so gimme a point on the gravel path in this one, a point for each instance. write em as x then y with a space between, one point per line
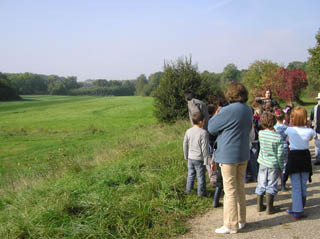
259 225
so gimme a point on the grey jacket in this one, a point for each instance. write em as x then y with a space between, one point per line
196 105
196 145
232 125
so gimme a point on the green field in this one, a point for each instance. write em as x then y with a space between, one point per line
91 167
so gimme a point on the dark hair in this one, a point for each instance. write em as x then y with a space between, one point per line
236 92
211 109
279 114
268 120
269 91
197 117
188 96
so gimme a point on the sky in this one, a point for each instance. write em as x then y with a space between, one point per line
118 40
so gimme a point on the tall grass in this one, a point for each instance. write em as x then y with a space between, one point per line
89 167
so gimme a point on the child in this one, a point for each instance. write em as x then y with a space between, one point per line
281 128
271 162
196 151
299 160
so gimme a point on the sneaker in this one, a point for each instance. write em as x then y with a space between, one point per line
241 225
225 230
298 215
317 162
289 211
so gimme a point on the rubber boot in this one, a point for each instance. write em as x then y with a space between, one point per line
270 208
260 206
304 201
216 197
283 184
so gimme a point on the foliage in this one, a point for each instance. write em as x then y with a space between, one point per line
314 65
141 82
92 167
285 84
255 77
153 83
230 74
7 92
180 77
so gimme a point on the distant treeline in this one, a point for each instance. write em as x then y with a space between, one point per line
13 85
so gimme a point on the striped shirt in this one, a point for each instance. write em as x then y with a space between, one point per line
271 153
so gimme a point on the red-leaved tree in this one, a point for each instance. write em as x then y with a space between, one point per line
285 84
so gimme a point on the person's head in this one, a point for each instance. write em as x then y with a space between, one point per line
267 106
236 92
318 98
188 96
267 120
299 116
279 115
211 110
268 94
197 119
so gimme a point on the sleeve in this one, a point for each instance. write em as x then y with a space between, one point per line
185 146
258 100
280 154
205 148
217 123
312 114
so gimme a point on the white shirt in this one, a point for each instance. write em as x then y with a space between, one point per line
299 137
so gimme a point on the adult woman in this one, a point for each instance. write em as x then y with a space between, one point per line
233 124
267 100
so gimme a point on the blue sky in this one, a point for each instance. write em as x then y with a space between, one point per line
118 40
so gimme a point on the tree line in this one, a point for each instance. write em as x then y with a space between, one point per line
285 81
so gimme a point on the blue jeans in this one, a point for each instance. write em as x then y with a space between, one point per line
299 190
196 167
267 180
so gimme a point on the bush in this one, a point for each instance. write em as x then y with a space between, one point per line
179 77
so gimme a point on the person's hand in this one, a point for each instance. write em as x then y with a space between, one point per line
309 123
213 166
218 110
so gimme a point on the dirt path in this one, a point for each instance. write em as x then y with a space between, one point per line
260 225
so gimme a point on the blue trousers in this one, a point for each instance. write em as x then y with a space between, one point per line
196 167
267 180
299 190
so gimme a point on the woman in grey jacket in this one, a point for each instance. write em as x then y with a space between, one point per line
232 124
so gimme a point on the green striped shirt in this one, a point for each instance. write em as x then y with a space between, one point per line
271 153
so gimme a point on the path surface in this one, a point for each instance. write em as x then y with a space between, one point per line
259 225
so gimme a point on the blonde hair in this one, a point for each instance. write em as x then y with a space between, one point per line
299 116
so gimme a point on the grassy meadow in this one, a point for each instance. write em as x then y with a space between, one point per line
91 167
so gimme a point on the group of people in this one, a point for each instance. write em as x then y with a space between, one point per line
234 140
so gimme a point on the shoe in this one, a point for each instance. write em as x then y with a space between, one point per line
225 230
298 215
216 197
241 225
270 208
289 211
260 206
317 162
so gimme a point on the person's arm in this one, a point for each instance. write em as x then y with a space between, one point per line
280 154
205 148
217 122
260 99
312 114
185 147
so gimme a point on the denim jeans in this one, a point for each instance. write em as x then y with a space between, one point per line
299 190
267 180
196 167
